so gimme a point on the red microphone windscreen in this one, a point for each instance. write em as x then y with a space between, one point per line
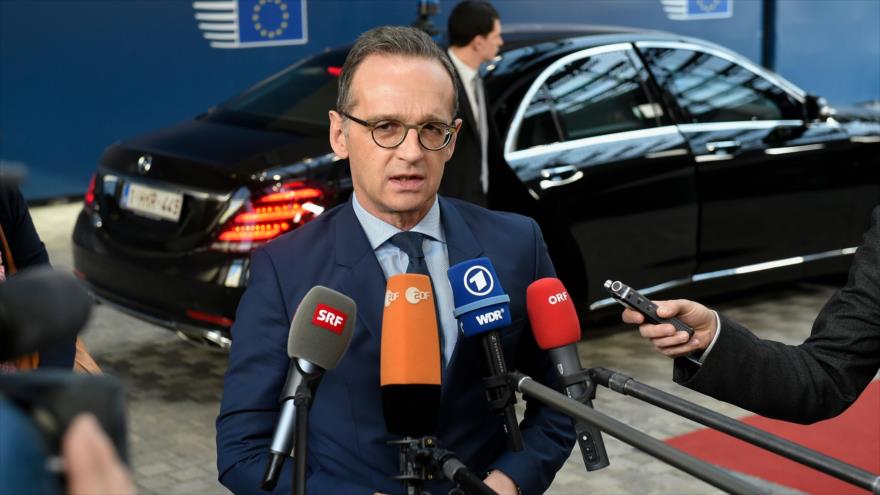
551 313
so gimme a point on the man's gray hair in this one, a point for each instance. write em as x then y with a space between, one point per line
391 40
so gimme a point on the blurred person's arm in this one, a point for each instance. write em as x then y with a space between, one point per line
91 463
29 251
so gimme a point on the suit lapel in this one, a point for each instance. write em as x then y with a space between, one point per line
464 109
462 245
366 281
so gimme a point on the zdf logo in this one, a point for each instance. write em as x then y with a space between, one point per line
558 298
414 295
390 297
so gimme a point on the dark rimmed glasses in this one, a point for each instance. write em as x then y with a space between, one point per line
389 134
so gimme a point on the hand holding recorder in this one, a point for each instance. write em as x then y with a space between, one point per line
670 341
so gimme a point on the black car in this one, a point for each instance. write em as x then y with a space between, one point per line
656 159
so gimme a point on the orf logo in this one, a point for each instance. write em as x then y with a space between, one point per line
478 280
145 163
329 318
414 295
558 298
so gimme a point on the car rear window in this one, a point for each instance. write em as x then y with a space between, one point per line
296 99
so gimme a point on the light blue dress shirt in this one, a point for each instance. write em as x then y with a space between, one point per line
395 261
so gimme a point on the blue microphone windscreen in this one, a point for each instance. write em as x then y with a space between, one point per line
480 302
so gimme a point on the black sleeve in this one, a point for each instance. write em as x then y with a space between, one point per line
815 380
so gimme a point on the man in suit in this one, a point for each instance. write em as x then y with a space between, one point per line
395 80
815 380
474 31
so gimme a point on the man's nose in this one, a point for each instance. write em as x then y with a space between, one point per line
410 149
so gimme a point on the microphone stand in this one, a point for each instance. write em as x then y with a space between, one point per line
713 475
422 459
499 392
303 401
626 385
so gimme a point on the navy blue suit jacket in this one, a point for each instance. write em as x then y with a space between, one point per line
347 447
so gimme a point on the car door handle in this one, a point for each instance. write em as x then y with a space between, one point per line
560 176
723 146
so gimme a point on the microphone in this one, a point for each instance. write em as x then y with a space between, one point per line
410 357
39 307
410 381
319 335
555 324
482 307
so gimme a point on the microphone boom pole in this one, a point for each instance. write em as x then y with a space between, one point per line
626 385
713 475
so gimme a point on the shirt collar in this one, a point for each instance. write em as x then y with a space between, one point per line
466 73
378 231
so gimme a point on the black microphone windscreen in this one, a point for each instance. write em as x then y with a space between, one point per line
322 327
40 307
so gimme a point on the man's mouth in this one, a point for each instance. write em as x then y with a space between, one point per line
407 180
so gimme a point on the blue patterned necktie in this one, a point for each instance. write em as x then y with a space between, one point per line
411 244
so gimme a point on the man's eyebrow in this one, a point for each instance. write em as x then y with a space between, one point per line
398 118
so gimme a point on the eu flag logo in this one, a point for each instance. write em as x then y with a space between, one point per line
252 23
691 10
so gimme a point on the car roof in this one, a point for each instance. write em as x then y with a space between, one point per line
525 34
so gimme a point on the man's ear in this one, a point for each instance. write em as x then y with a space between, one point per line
338 140
450 148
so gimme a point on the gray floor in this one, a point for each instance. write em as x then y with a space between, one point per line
174 387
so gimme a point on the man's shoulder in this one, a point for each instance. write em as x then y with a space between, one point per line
478 217
311 239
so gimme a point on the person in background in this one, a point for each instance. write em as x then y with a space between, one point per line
20 249
474 31
804 383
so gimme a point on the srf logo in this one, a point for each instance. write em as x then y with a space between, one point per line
414 295
329 318
390 297
478 280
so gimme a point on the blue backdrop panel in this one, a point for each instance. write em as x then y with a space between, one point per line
831 47
77 75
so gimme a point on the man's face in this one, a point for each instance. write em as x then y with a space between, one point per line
397 185
488 45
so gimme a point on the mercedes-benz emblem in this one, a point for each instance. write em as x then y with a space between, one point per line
144 163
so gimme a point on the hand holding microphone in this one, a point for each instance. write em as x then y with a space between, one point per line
319 335
555 324
482 307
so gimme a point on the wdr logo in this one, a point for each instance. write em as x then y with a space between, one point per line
490 317
252 23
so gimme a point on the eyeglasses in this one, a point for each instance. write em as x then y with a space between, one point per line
389 134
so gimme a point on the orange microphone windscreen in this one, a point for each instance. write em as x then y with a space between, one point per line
410 341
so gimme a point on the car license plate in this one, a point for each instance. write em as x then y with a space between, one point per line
152 202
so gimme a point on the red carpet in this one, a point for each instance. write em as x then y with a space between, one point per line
852 437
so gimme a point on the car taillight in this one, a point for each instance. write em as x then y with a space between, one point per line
89 200
268 215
